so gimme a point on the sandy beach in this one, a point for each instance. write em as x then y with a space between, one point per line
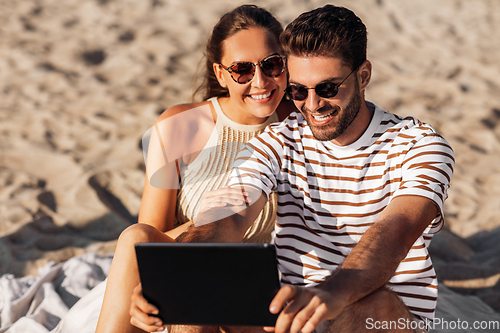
82 80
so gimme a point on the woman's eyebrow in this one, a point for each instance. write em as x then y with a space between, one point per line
240 61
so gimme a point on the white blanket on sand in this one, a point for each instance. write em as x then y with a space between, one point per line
63 298
67 298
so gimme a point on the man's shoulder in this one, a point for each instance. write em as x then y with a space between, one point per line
414 129
408 127
408 132
279 135
293 120
288 129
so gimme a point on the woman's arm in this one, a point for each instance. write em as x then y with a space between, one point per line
158 206
177 136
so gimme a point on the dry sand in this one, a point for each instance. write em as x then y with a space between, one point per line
82 80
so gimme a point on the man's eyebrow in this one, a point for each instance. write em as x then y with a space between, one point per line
330 79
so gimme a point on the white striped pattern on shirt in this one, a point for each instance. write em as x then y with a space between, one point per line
328 195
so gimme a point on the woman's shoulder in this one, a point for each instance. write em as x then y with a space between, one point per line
180 108
185 129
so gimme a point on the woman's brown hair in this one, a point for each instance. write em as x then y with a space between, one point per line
242 17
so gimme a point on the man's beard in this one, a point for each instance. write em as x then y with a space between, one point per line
334 129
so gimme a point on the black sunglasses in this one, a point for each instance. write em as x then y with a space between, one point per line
243 72
326 89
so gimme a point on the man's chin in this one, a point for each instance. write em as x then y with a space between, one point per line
322 134
323 137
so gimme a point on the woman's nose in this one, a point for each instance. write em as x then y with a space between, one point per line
259 78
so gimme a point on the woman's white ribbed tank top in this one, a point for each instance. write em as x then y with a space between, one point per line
211 169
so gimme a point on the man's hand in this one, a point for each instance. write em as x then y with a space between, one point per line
303 309
223 197
141 313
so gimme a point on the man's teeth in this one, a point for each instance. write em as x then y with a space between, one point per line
323 117
262 96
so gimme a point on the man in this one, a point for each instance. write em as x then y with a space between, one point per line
360 191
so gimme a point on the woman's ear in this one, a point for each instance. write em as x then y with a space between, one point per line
218 74
365 74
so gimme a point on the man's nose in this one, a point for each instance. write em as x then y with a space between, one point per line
313 101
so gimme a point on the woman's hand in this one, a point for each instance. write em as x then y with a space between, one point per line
223 197
142 313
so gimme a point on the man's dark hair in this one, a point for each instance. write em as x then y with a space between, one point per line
329 31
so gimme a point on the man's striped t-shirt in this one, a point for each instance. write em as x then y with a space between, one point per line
329 195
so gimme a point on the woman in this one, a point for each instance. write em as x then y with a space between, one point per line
245 80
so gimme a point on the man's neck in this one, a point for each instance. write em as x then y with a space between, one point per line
357 127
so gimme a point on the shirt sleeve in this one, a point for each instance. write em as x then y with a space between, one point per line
426 171
257 165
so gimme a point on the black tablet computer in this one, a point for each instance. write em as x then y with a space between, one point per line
228 284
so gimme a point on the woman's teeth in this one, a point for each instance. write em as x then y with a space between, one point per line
261 96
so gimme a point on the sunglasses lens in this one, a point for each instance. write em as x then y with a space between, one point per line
297 93
326 89
242 72
272 66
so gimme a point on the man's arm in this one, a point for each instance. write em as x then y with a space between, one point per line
382 248
225 224
369 266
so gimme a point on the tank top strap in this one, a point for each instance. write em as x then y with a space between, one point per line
215 103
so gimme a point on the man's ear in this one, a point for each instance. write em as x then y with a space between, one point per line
219 76
365 74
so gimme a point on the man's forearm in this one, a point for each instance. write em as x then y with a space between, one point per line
379 252
224 230
224 224
369 266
